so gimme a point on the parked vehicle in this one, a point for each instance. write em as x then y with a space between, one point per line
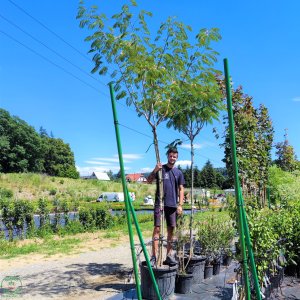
132 195
111 197
148 200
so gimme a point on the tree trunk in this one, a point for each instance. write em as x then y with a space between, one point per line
192 198
160 194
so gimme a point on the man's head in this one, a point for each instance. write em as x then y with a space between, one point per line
172 154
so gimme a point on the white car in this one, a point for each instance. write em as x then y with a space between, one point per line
148 200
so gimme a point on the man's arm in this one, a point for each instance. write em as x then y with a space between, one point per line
181 195
152 175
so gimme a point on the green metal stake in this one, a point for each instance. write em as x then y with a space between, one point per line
250 253
127 205
144 250
236 182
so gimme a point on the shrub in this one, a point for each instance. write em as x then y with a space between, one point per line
6 193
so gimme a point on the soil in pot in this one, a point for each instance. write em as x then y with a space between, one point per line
184 283
195 266
165 277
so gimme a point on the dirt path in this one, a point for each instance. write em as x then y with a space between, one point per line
99 271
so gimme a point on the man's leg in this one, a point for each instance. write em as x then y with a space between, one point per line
155 239
170 214
170 236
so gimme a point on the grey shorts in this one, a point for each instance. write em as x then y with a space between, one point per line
170 215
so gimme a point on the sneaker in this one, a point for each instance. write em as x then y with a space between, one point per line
170 261
153 261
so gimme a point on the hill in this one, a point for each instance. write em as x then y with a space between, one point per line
31 186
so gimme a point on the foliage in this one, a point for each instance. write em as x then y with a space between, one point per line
20 145
207 177
215 235
286 157
151 71
24 150
284 186
58 158
254 137
6 193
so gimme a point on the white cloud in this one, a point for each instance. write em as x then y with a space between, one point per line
106 159
133 156
188 146
296 99
84 171
183 163
93 162
104 164
146 170
199 146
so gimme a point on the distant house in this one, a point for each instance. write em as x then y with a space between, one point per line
136 177
97 175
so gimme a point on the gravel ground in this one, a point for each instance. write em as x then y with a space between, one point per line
90 275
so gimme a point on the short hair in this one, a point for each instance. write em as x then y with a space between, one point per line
172 150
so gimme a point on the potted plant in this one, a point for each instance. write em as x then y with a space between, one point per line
212 237
184 278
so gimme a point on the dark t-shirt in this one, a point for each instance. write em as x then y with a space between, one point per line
172 179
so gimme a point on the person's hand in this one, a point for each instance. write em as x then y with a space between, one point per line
179 209
157 167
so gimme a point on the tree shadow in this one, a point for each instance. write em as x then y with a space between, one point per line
78 279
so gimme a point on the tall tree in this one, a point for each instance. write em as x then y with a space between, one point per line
20 145
254 136
149 70
286 158
59 158
208 175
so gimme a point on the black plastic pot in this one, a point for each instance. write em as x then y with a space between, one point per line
195 266
227 259
216 268
208 271
276 279
165 277
184 283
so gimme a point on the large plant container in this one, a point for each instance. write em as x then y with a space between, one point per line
195 266
184 283
208 271
165 277
216 265
227 259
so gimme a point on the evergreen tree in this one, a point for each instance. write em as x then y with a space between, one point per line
208 175
286 158
254 136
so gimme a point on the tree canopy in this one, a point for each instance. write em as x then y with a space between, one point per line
25 150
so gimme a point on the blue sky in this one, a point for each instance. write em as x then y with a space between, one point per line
45 75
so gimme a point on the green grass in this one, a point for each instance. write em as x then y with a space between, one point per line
47 247
112 235
29 186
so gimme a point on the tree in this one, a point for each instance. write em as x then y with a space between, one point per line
286 158
20 145
208 175
110 174
149 72
254 137
59 158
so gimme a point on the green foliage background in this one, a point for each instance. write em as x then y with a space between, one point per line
24 150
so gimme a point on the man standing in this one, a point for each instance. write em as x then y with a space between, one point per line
173 193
